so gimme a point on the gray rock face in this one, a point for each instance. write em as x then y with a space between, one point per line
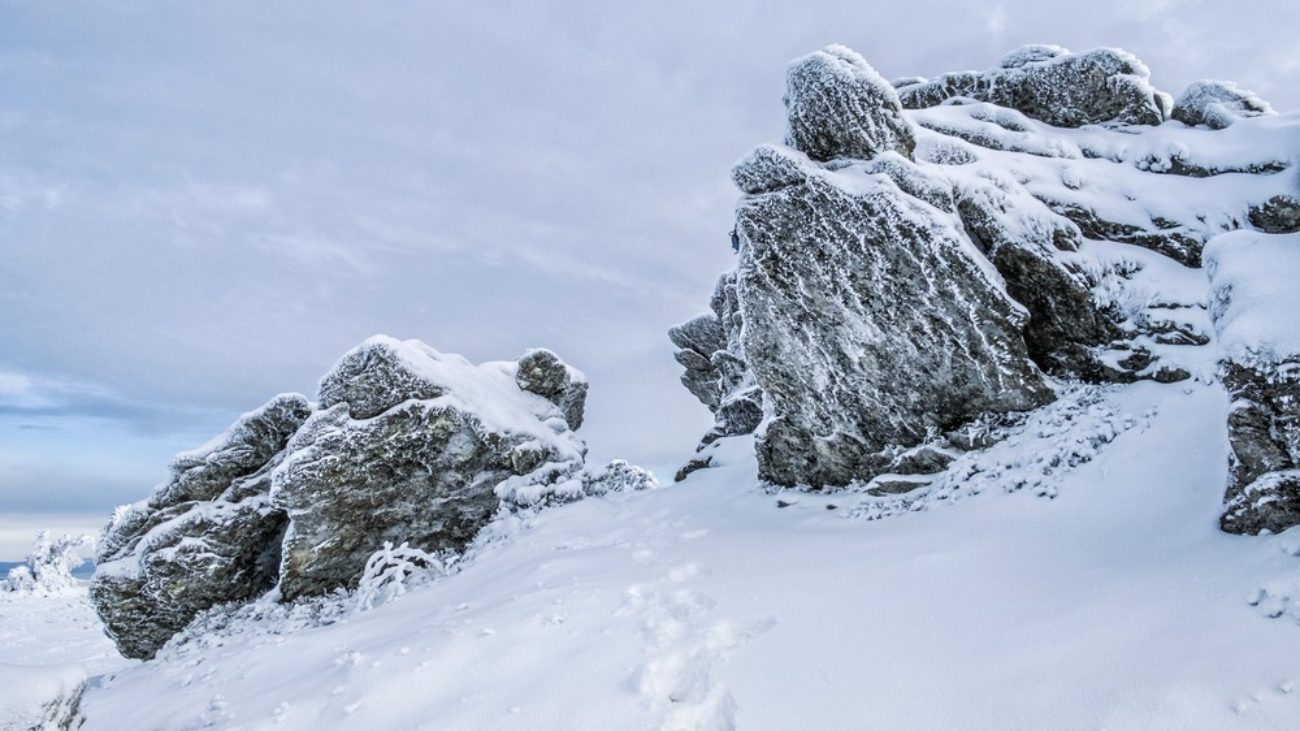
1264 431
207 536
1277 215
422 471
1217 104
409 445
1066 327
1252 294
838 106
543 373
716 371
858 304
1055 86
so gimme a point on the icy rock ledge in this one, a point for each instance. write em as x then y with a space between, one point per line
406 446
1050 84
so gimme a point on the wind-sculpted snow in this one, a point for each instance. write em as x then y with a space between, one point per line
1055 86
408 446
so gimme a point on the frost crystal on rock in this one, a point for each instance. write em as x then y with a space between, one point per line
903 272
1217 104
1252 279
1055 86
838 106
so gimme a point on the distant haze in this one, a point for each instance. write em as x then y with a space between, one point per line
203 205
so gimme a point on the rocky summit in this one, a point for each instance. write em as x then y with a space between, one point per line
405 445
922 258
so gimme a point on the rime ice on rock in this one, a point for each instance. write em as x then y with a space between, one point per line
1217 104
838 106
897 281
208 535
407 445
870 323
1055 86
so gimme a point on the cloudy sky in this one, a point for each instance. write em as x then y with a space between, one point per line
206 204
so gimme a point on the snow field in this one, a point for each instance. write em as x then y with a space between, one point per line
1117 604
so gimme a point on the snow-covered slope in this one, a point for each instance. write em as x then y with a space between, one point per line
1115 604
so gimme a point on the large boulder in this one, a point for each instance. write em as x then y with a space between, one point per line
895 283
1050 84
406 444
1252 304
838 106
871 324
421 471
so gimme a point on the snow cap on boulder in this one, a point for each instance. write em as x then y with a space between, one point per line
838 106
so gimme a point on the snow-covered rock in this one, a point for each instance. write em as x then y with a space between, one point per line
1055 86
838 106
208 535
1217 104
1254 303
422 470
858 302
882 300
406 445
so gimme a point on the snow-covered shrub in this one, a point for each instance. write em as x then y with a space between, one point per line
49 566
389 572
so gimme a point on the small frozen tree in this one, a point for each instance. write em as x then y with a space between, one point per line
49 566
390 571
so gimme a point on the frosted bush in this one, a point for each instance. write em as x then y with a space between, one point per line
389 572
49 566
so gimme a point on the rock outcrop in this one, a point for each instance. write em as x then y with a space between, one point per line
406 445
208 535
858 303
902 273
1050 84
849 322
